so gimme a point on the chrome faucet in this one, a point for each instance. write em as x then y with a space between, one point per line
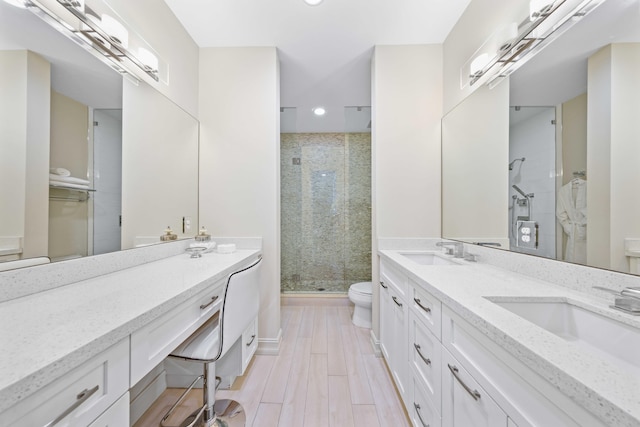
456 248
627 300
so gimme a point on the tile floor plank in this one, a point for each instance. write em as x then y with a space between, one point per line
319 342
335 350
294 403
340 408
306 324
390 410
357 374
316 413
268 415
365 416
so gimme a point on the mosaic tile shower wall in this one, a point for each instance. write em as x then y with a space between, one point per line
325 211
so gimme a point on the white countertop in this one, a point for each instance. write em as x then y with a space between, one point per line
47 334
591 381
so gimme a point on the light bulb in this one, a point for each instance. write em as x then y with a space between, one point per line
319 111
116 31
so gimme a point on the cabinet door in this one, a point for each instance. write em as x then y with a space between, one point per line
385 318
464 402
400 337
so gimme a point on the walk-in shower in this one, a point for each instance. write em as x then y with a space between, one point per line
325 205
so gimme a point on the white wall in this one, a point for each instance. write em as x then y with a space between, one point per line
475 157
239 160
159 165
24 120
154 21
407 108
612 132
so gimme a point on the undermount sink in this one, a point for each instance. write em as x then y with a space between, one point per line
614 341
428 258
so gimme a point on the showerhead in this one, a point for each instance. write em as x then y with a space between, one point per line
516 160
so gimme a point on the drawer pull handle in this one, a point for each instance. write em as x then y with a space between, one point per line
474 393
399 304
383 285
213 299
415 405
253 337
427 309
426 360
82 397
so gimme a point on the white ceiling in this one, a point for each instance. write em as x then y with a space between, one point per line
325 50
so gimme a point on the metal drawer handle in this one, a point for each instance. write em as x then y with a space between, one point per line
253 337
383 285
474 393
427 309
415 405
81 398
213 299
426 360
399 304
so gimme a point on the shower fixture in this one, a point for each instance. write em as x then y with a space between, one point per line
522 159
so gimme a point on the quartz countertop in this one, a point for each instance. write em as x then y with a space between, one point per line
47 334
600 386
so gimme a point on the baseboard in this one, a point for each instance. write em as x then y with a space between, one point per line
337 300
375 344
146 397
270 346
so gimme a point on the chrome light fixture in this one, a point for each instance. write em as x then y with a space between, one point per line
512 45
105 37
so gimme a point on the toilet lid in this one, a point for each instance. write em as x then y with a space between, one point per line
362 287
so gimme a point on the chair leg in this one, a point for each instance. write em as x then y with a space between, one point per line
209 393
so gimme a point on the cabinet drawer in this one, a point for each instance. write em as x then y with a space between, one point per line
249 343
393 278
83 394
503 376
152 343
426 307
423 413
425 354
116 415
464 402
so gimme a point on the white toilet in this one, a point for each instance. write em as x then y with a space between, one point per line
360 295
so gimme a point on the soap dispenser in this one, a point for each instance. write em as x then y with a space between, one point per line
168 235
203 236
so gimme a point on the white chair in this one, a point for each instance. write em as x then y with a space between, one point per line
212 341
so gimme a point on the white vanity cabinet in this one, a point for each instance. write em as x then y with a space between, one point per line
151 344
79 397
394 318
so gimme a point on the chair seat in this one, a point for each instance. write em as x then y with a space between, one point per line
203 344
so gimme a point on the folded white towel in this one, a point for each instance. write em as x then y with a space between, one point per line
68 179
60 171
68 185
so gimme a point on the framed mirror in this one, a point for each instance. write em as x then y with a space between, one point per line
558 170
71 151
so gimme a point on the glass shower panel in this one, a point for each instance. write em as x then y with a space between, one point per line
325 206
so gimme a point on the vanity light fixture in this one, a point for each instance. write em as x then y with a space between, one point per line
106 37
511 46
319 111
313 2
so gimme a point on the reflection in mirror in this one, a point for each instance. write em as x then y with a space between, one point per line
573 120
61 111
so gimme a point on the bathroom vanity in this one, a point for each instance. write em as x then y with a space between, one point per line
469 343
74 352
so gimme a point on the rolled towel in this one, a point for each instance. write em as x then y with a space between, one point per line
68 179
60 171
68 185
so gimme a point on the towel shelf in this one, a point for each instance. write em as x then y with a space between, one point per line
67 193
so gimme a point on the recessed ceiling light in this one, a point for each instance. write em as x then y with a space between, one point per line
319 111
313 2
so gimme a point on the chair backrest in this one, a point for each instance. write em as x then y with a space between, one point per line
240 306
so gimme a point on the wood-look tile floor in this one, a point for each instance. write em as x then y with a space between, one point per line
326 375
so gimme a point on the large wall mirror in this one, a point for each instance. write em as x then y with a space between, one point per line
546 163
89 163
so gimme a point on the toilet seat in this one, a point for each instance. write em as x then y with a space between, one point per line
362 288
